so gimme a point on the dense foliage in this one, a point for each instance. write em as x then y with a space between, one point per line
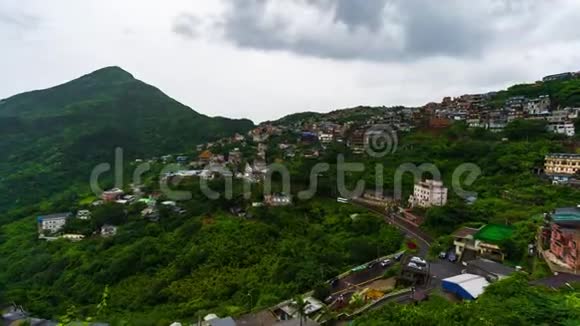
186 265
508 302
52 137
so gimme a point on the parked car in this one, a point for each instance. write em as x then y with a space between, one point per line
398 256
443 255
452 257
386 262
415 266
419 260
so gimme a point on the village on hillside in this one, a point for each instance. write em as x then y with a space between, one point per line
476 257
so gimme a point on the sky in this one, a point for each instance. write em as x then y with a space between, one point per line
263 59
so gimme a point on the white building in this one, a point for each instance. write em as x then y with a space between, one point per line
53 222
278 200
84 214
428 193
563 128
325 138
108 230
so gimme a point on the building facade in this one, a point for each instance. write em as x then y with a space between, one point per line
561 163
561 237
52 223
428 193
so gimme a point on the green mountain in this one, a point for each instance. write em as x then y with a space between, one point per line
58 134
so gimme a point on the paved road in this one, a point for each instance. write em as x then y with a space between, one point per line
438 269
359 277
422 239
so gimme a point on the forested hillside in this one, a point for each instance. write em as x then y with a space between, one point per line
50 139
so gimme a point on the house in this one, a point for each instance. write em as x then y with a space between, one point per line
235 156
538 105
562 76
484 242
205 157
214 320
84 214
428 193
561 237
465 286
52 223
73 237
108 230
563 128
325 138
279 199
356 142
287 311
561 163
112 195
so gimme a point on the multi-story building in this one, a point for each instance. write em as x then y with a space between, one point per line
429 193
280 199
356 142
562 128
112 195
325 138
561 163
53 222
538 105
561 238
471 243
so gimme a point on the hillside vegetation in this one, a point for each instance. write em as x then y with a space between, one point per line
50 139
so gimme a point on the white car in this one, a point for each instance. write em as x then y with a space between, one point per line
419 260
415 266
386 262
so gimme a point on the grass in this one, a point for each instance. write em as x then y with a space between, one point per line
494 233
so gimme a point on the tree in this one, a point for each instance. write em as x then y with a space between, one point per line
299 304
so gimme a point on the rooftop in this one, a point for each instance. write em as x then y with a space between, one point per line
55 216
563 155
464 232
494 233
471 283
566 214
491 267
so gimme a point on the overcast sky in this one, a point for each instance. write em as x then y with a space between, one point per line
262 59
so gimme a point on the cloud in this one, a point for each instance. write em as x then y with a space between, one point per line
375 30
19 20
187 25
380 30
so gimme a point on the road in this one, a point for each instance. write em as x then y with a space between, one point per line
438 269
359 277
422 239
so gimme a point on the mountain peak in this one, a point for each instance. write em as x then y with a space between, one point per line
112 73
